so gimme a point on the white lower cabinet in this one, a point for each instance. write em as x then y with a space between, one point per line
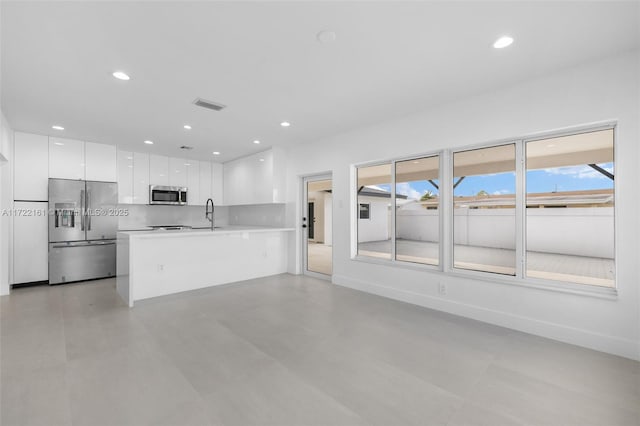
30 242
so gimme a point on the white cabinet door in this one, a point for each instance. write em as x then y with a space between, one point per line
193 183
66 159
205 182
261 167
177 171
30 242
100 162
31 167
217 184
125 177
158 170
140 178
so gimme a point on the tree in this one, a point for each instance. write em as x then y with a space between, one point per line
427 196
482 193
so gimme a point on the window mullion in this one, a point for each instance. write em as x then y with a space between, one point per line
393 211
520 209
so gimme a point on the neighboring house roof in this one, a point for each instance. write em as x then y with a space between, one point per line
588 198
368 191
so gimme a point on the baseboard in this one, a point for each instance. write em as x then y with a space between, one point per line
575 336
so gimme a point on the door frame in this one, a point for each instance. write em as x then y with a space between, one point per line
304 212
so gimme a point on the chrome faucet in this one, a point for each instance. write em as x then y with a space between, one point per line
209 214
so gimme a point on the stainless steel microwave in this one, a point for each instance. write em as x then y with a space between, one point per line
168 195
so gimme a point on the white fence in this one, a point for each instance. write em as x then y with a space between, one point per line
575 231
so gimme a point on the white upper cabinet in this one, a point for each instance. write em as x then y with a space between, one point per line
205 182
125 177
66 159
31 167
177 171
254 180
193 183
100 162
158 170
140 178
217 181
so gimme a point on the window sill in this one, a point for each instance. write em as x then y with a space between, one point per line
532 283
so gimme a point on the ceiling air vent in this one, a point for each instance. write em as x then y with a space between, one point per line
186 147
208 104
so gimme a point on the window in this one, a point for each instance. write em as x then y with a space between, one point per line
374 231
484 219
570 202
365 211
417 214
531 209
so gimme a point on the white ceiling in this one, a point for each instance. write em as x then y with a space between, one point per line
262 59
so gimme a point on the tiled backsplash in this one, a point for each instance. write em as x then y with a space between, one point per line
141 216
258 215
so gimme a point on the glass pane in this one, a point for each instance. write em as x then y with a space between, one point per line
417 214
484 223
374 211
319 226
570 202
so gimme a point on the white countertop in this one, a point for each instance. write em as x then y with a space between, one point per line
201 232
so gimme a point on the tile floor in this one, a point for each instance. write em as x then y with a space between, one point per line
289 350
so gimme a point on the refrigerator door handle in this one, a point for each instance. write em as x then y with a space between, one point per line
88 210
82 210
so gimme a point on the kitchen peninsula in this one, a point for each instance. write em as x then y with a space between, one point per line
158 263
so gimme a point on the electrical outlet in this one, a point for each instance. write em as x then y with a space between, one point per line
160 268
442 289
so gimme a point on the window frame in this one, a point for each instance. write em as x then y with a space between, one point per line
445 208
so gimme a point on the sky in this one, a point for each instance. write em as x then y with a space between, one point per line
574 178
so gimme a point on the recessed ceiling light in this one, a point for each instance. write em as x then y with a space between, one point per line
285 124
187 164
503 42
187 127
326 36
57 127
257 142
216 153
262 159
58 143
149 142
121 75
551 145
129 158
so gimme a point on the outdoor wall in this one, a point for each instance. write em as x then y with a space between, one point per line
575 231
606 89
376 228
6 202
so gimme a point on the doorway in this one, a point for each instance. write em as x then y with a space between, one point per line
317 226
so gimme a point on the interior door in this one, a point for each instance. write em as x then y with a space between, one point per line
317 226
102 203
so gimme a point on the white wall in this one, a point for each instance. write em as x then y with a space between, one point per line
6 202
376 228
603 90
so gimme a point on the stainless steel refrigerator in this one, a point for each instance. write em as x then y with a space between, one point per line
82 230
